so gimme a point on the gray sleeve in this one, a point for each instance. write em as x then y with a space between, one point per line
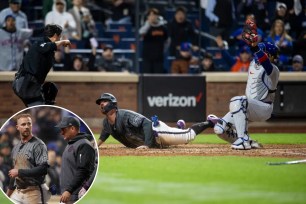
40 154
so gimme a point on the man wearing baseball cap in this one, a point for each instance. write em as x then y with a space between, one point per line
297 64
14 10
78 159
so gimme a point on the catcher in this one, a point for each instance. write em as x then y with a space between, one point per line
134 130
257 103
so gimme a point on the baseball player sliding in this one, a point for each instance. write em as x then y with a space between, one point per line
30 160
257 103
136 131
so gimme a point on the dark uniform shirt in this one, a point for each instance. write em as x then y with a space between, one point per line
131 129
78 163
39 59
27 157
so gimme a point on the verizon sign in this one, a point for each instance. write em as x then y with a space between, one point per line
173 101
174 97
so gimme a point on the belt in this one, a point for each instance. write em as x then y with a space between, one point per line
25 187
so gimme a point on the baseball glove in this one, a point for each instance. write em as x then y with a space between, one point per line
249 33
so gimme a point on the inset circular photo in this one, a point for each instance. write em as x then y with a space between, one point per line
47 155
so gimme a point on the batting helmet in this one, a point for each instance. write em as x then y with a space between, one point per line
269 48
107 97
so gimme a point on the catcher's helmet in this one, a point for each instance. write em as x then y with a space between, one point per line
107 97
269 48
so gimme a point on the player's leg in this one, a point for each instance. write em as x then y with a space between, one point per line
258 111
238 108
224 127
174 136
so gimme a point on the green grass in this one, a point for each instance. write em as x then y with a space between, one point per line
199 179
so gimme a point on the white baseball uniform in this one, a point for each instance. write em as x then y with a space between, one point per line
257 104
172 136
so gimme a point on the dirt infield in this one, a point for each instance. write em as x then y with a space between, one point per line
271 150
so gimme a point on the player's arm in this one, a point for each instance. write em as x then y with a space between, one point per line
250 36
40 170
263 59
103 137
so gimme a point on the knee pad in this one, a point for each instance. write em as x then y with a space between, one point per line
237 104
220 127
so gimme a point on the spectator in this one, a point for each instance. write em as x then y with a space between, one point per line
236 39
282 14
154 35
299 46
12 40
181 30
121 12
85 23
59 16
221 14
14 10
207 63
297 64
109 63
279 36
258 8
48 4
61 61
238 63
184 59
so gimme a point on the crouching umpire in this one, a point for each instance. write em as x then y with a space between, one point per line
35 66
30 164
78 160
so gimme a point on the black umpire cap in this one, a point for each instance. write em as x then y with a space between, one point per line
68 121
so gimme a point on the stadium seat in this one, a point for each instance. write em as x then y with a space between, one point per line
121 26
36 24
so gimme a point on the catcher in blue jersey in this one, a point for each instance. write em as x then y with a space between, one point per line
134 130
257 103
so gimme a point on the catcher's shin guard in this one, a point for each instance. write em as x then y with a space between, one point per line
238 109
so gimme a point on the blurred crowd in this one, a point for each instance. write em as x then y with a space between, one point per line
175 36
44 120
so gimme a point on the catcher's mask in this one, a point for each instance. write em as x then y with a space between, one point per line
111 99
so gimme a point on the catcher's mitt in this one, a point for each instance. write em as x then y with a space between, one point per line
249 33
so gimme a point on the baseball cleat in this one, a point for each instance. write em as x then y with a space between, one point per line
241 144
255 145
181 124
212 118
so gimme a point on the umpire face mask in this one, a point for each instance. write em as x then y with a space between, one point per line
107 106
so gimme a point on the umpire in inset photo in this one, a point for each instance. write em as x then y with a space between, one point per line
29 81
30 164
78 159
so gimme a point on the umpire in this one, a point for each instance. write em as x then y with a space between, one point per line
30 163
29 80
78 159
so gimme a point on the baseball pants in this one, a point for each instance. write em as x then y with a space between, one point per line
31 194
